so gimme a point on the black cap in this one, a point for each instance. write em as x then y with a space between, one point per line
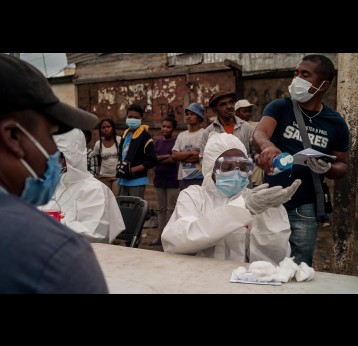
219 95
22 86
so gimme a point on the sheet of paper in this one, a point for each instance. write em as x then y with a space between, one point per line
246 278
301 157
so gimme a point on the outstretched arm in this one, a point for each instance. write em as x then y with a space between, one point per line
263 145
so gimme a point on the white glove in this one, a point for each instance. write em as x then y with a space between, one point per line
262 197
318 165
304 273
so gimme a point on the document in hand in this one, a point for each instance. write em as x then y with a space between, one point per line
301 157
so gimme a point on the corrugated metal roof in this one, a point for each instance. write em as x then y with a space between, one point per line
74 58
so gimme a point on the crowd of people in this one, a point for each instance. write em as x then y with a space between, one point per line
216 194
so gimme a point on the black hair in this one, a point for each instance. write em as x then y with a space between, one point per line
171 118
135 107
113 125
325 68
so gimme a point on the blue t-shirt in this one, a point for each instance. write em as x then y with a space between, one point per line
40 255
328 132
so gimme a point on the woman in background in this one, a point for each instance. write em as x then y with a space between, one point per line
106 149
165 180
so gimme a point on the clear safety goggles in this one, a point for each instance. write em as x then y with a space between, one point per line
230 165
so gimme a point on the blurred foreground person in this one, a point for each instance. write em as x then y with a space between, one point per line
223 218
37 253
88 205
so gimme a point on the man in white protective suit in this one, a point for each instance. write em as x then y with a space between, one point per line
89 206
224 219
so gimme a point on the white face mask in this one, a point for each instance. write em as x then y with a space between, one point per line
299 89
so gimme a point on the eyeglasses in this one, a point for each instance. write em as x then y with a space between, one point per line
230 165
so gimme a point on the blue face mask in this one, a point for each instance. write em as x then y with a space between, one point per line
38 191
132 123
230 185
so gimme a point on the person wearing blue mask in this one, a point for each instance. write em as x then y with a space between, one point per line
223 218
37 253
137 154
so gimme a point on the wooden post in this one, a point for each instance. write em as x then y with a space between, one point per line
343 221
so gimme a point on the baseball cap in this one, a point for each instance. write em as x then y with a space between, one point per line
196 108
242 103
219 95
22 86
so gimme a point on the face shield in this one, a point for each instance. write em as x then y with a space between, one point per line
229 165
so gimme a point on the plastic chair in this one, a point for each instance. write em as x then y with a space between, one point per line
134 211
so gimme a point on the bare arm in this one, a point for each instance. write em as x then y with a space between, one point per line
194 157
267 150
166 159
186 156
339 167
262 144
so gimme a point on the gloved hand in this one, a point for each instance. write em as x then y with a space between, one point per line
123 169
318 165
262 197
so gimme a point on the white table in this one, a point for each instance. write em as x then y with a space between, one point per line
130 270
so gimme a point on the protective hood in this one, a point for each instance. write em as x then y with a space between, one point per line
217 144
73 146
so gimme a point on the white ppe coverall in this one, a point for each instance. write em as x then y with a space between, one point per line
207 223
88 205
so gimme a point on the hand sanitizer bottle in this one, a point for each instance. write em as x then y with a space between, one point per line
282 162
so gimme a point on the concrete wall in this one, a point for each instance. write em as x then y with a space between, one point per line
66 93
157 96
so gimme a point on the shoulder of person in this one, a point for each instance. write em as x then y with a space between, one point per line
180 134
193 190
277 104
281 101
333 112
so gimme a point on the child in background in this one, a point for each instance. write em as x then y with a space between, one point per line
106 149
165 180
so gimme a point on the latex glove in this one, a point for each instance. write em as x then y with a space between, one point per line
262 270
304 272
291 190
286 270
318 165
262 197
123 170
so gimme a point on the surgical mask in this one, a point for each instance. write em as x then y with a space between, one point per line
230 185
299 89
38 191
132 123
